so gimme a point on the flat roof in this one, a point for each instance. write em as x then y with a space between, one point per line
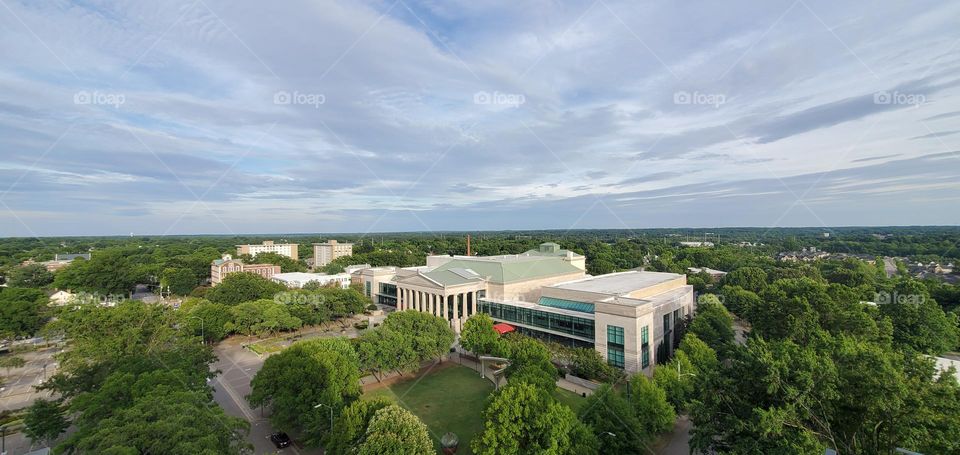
303 276
617 283
544 308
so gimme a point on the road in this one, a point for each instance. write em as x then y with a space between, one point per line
18 391
237 367
890 267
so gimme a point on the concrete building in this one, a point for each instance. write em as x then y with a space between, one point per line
285 249
59 261
300 279
325 253
628 317
220 268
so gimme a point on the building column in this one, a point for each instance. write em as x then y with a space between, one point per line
435 305
399 299
456 304
474 304
444 307
418 299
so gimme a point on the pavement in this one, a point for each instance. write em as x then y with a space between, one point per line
18 385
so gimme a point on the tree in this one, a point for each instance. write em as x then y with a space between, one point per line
395 431
531 360
351 426
303 376
753 279
478 335
712 323
650 406
10 361
428 336
211 320
286 263
740 301
180 281
524 419
242 287
918 321
675 378
109 271
385 349
607 412
29 276
44 421
21 311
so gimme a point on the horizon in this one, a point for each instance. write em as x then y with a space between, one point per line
216 117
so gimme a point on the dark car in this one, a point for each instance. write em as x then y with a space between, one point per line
280 440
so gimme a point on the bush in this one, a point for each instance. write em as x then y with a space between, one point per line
361 325
372 307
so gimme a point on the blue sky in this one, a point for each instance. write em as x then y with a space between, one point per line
209 116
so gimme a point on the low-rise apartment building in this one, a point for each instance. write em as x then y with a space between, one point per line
220 268
300 279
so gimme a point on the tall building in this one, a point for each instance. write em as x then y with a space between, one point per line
220 268
285 249
325 253
628 317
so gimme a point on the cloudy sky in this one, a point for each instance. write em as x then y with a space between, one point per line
219 116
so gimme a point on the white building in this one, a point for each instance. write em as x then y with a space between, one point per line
325 253
628 317
300 279
285 249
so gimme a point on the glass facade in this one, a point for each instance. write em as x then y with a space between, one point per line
387 294
560 323
565 304
366 288
615 346
644 346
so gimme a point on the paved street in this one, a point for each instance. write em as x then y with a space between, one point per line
238 366
18 391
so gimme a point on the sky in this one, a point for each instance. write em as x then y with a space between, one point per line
244 117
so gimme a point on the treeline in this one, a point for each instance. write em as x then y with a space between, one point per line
132 382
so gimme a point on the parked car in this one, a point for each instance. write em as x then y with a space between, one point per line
280 440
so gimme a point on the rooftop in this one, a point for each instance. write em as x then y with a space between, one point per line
500 269
618 283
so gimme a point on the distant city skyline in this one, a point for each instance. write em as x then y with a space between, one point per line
215 117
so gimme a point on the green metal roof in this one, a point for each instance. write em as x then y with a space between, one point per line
502 271
565 304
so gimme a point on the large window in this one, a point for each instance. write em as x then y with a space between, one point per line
615 346
645 346
367 288
570 325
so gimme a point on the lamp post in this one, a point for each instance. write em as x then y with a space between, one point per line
331 413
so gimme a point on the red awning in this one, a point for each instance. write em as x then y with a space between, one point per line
502 328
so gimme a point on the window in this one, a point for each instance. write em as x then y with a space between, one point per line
367 288
645 346
615 346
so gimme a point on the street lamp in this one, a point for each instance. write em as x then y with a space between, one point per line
331 413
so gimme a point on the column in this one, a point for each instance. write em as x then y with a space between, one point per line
473 303
456 304
418 299
443 307
399 299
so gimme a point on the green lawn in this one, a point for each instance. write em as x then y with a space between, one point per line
450 399
569 398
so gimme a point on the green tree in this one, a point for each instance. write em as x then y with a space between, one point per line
614 422
286 263
21 311
427 335
478 335
11 361
650 406
918 321
351 425
237 288
712 323
395 431
44 421
180 281
211 320
303 376
753 279
109 271
524 419
29 276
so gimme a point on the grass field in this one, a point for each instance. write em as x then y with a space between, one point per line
450 399
569 398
